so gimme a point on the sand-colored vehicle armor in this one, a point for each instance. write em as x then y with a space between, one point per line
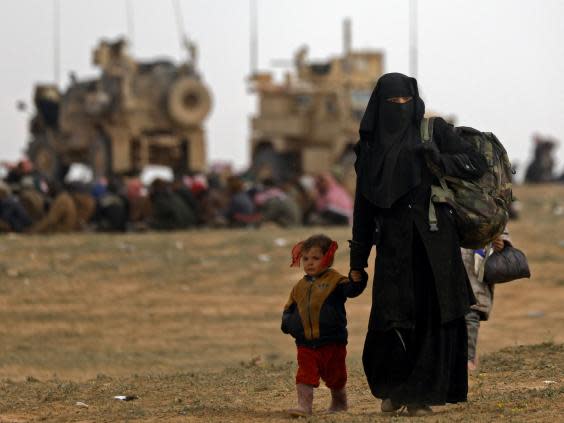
134 114
309 122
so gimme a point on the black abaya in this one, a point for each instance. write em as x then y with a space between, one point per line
423 365
416 347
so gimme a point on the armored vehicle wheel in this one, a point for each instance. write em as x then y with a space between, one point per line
188 102
101 157
44 158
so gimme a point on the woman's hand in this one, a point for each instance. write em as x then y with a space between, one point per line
431 151
356 275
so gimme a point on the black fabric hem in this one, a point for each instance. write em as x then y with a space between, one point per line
419 401
318 344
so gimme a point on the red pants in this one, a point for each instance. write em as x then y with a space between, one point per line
326 362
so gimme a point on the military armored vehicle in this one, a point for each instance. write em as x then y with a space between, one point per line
134 114
541 168
309 121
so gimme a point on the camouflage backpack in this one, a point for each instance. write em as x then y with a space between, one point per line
481 206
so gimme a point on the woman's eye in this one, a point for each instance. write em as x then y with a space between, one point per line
399 100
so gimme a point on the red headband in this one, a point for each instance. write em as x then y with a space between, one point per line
297 254
325 262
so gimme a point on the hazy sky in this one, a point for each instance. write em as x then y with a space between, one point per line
498 65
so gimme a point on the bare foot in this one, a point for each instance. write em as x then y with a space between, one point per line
419 410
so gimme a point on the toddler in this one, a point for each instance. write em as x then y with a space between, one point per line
315 316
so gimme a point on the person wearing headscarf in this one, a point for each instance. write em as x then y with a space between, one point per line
240 211
32 199
13 216
112 207
415 352
333 204
169 212
277 206
62 215
139 204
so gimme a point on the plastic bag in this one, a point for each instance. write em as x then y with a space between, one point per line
506 265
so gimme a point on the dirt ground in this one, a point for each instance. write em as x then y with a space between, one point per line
189 322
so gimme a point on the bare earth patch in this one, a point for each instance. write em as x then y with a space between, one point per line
189 322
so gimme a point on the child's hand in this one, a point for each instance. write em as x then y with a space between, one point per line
356 276
498 244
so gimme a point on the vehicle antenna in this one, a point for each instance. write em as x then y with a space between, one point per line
129 22
56 41
253 31
182 37
413 38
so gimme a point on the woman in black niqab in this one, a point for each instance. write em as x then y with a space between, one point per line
415 352
389 133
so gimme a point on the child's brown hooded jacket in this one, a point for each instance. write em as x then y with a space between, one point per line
315 312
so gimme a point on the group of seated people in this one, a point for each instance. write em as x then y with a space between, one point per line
29 203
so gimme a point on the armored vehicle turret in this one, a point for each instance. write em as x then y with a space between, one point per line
134 114
309 122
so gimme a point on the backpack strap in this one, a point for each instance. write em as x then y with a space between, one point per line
488 250
439 194
426 132
427 129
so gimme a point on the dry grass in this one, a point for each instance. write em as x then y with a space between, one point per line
177 309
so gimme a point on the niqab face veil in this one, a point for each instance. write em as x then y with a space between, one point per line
387 166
